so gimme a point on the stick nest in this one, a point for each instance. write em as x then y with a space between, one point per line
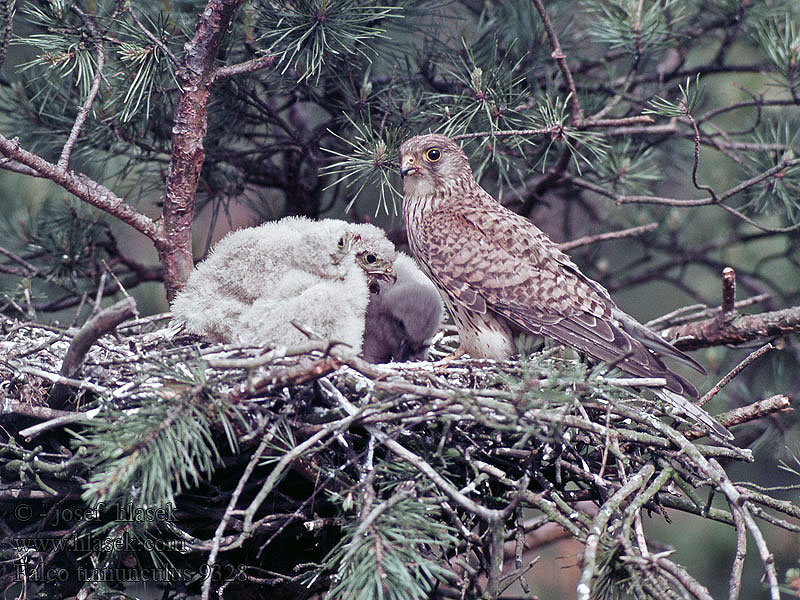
305 472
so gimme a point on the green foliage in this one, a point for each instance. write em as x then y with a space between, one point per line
781 43
64 50
368 159
146 72
65 244
685 104
68 239
629 168
488 93
147 455
310 34
137 80
777 141
638 28
390 549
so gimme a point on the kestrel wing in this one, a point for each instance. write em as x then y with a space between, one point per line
485 263
490 259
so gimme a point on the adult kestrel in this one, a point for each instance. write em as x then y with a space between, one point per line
503 279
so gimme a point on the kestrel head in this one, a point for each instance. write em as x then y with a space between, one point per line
368 255
343 246
376 268
433 163
374 253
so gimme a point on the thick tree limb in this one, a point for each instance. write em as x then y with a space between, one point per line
735 329
189 126
81 186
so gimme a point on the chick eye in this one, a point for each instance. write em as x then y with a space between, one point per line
433 154
370 258
340 243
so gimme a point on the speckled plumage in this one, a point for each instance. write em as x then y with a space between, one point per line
503 278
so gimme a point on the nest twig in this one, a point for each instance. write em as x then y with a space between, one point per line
474 441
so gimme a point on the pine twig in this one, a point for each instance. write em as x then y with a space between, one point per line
83 111
78 384
576 112
161 45
737 567
250 66
752 357
59 419
611 235
15 407
693 312
718 200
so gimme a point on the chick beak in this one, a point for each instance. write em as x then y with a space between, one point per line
385 272
391 274
408 166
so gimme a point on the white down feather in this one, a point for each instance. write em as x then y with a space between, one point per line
257 281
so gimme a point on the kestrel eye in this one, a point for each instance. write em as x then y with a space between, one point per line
340 243
433 154
370 258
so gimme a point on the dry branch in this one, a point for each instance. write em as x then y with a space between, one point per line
610 235
734 329
96 327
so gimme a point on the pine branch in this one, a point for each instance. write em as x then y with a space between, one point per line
576 112
195 76
164 48
611 235
83 110
718 200
734 329
82 187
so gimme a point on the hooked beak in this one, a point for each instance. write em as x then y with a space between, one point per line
408 166
391 274
387 273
